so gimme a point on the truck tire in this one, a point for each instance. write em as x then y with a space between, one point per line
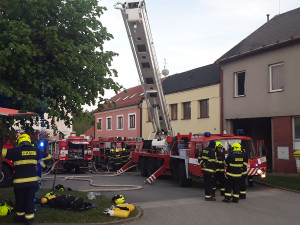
174 144
183 181
151 166
143 166
7 180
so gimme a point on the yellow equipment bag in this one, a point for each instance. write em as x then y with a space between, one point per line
120 213
128 206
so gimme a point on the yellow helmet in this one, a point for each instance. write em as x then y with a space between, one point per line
219 144
5 209
117 150
23 137
236 147
118 199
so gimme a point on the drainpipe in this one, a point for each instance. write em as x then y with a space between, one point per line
221 97
141 118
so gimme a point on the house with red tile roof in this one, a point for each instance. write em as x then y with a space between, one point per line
122 119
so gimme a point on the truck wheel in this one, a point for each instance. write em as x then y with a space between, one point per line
7 180
152 166
143 166
183 181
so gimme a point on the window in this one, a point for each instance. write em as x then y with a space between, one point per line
297 127
297 132
149 116
131 121
108 123
186 110
99 124
276 77
204 108
239 83
119 122
173 111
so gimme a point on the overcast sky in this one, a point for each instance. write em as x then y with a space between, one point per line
188 33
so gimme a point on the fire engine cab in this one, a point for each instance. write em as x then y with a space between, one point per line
71 153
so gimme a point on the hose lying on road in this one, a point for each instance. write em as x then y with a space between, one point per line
91 183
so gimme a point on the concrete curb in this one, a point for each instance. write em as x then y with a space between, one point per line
281 188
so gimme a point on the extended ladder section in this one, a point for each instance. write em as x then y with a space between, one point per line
138 29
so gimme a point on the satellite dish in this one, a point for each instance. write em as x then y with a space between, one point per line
165 72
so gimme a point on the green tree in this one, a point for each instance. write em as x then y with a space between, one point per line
52 58
83 122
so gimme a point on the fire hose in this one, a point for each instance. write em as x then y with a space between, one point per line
91 182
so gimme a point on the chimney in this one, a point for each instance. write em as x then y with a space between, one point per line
268 17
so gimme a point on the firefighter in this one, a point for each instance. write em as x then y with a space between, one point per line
244 176
234 163
118 161
220 164
111 160
125 156
207 160
25 158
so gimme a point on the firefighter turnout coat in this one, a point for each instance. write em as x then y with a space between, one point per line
25 160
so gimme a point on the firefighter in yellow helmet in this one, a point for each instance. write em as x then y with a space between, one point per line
207 161
220 164
25 158
118 158
111 160
234 163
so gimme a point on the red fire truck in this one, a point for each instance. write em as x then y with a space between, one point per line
101 148
176 155
71 153
6 179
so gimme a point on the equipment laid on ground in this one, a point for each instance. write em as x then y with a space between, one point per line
176 155
120 210
6 208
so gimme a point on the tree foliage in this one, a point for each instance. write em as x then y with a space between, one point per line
52 58
83 122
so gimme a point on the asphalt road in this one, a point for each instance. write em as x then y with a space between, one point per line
163 202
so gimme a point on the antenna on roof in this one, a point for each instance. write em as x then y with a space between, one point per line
279 6
165 71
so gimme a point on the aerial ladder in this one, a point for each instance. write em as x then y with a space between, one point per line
139 34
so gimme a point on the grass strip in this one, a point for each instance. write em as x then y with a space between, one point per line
287 182
53 215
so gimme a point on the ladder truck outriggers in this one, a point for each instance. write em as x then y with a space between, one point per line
167 153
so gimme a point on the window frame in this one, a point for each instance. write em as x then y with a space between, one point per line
296 140
207 109
117 122
100 124
189 113
270 78
111 125
176 113
129 122
236 83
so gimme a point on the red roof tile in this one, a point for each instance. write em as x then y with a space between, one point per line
133 96
90 131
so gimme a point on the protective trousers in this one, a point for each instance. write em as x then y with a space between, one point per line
208 184
234 185
221 179
25 202
243 188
